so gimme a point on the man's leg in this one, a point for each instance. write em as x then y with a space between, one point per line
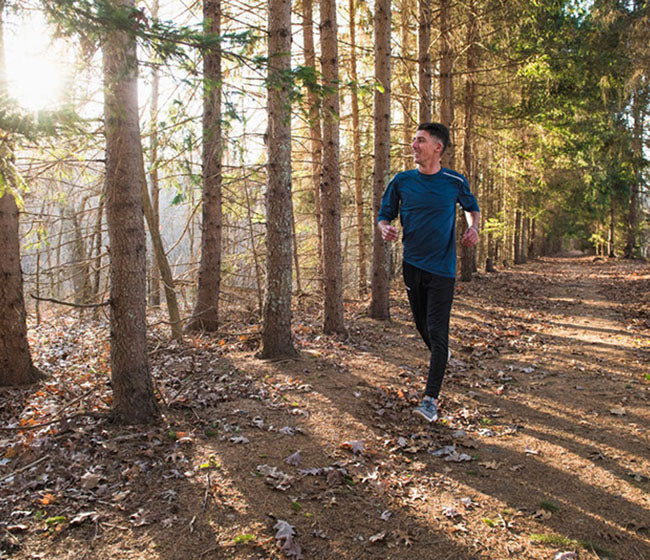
416 289
440 295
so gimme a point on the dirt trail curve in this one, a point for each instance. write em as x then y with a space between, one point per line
542 450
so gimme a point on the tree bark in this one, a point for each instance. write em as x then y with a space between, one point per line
133 396
16 367
632 230
405 82
447 81
356 146
467 254
380 302
163 266
331 178
154 289
276 329
206 309
612 226
315 131
424 61
517 237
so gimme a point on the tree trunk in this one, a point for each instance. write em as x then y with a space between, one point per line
133 396
331 178
531 239
16 367
154 273
163 266
447 81
467 254
523 251
612 226
379 304
206 309
632 229
276 329
356 146
80 258
424 61
97 245
517 236
405 82
316 138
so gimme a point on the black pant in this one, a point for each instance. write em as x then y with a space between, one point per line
431 297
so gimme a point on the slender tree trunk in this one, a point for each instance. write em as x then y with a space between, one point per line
133 396
276 329
80 266
523 251
407 99
632 229
16 367
467 254
154 273
256 260
356 146
163 266
97 245
380 302
424 60
331 178
316 137
447 81
612 226
206 310
517 237
532 253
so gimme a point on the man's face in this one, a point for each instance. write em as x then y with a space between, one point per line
426 148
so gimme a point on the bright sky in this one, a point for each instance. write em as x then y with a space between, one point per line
37 68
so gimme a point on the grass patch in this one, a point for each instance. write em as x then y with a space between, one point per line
489 522
565 542
549 505
246 537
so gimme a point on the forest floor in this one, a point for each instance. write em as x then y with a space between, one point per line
542 450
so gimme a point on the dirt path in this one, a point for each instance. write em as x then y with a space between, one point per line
543 446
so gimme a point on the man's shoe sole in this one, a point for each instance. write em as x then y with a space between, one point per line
421 415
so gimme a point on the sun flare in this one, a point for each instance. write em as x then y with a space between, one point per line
36 66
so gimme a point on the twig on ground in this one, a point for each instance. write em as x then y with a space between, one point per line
26 467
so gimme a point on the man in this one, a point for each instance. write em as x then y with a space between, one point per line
425 199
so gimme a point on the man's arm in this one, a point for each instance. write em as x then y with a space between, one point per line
470 237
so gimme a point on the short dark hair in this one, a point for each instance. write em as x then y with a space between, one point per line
438 130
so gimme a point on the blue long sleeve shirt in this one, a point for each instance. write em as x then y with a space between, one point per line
426 205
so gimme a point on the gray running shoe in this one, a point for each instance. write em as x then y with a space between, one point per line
428 409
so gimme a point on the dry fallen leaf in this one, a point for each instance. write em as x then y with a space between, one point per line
355 445
618 411
90 480
450 511
294 459
377 537
285 537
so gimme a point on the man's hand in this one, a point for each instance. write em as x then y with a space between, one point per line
470 237
388 232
